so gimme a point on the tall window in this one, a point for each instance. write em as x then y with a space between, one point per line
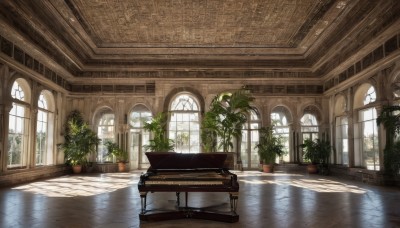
139 137
44 130
184 127
281 129
309 127
250 137
106 132
341 131
18 127
370 154
369 132
342 140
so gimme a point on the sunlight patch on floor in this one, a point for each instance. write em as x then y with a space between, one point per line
72 186
318 185
258 173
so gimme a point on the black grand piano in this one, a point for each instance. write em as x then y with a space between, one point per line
184 173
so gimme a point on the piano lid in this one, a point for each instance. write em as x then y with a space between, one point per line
172 160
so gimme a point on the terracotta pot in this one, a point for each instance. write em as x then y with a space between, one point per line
268 168
312 169
121 166
76 168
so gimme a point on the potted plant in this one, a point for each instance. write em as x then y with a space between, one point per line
209 132
390 119
310 155
324 151
269 147
79 142
159 143
120 155
224 122
316 152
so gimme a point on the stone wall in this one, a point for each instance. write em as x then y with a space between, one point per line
364 175
15 177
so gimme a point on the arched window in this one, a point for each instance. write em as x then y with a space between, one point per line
139 137
44 129
341 132
369 150
309 127
370 96
106 132
184 127
19 125
279 119
248 152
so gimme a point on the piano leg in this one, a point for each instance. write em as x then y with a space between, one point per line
233 199
143 201
178 202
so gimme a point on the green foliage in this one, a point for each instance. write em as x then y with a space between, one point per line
324 149
157 126
269 146
390 118
14 147
114 150
209 132
317 151
392 159
228 112
310 152
80 140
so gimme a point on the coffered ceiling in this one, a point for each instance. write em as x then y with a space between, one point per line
86 36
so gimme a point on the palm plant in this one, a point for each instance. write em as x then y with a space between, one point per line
225 119
310 151
157 126
269 146
80 140
390 118
209 132
114 150
317 151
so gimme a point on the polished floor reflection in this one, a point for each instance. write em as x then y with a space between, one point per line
265 200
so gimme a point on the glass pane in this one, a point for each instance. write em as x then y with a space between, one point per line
184 102
254 125
345 153
370 145
105 131
42 103
244 152
308 120
184 124
41 134
17 136
370 96
17 92
139 117
255 158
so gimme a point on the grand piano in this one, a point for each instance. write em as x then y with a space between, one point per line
185 173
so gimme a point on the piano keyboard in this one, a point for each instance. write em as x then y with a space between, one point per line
183 182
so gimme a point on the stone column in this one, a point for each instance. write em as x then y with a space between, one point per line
4 119
5 108
350 118
31 156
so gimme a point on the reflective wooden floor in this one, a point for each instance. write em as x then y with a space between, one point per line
265 200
